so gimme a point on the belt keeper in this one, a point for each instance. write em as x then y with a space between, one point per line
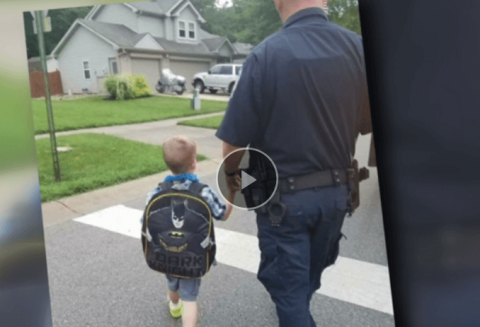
336 177
291 184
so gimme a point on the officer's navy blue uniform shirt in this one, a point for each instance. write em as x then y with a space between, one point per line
300 95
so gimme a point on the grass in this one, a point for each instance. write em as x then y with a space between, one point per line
98 111
208 122
95 161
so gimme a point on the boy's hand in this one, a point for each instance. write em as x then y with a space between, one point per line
234 183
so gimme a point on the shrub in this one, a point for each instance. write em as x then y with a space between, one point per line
140 86
120 87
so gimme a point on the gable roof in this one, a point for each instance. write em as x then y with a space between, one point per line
120 36
159 8
243 48
187 48
214 43
178 9
149 7
168 5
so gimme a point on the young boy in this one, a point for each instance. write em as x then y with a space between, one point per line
180 156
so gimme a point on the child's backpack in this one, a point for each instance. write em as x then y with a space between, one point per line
177 231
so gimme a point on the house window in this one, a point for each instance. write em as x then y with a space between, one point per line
113 66
86 69
186 30
181 29
191 30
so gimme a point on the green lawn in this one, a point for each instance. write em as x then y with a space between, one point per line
95 161
97 111
208 122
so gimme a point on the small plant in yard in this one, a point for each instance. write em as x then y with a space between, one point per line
140 86
121 87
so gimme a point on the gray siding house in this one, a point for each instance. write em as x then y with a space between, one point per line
139 38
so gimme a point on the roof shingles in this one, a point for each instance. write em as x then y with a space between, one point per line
124 37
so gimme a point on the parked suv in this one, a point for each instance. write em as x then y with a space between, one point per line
219 77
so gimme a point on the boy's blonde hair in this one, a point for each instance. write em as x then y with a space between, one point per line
180 153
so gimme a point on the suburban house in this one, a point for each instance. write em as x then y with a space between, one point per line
139 38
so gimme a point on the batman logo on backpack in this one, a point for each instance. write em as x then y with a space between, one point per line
179 219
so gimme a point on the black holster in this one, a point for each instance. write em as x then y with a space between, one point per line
355 176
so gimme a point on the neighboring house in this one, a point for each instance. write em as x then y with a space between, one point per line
140 38
35 65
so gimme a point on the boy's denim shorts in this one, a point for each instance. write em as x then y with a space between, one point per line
186 288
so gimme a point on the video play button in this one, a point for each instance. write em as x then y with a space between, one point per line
247 179
256 178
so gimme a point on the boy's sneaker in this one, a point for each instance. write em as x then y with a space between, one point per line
176 309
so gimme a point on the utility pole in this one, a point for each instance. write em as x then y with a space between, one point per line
39 19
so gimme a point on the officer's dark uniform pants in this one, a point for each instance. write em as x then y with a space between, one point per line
294 255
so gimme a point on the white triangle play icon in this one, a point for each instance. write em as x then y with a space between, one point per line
247 179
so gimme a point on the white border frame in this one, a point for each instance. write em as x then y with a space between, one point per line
248 148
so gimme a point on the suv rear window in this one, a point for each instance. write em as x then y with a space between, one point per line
226 70
237 70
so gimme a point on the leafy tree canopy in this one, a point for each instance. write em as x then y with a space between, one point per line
61 20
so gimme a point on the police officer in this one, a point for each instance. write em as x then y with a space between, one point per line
300 99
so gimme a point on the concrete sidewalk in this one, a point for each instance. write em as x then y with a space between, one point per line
204 96
130 127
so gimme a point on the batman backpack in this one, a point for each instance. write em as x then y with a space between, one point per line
177 231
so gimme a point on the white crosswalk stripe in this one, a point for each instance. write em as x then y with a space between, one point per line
361 283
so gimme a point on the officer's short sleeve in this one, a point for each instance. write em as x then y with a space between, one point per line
241 122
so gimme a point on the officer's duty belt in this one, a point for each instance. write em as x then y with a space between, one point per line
325 178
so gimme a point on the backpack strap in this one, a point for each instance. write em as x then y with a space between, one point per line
196 188
166 186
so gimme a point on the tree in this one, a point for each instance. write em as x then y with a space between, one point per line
61 20
345 13
257 19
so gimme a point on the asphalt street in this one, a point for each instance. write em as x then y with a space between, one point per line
98 276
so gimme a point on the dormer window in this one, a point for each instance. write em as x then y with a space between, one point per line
191 30
186 30
181 29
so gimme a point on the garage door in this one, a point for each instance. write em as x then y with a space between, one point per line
148 67
187 69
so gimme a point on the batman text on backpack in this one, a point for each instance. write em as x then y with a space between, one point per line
177 231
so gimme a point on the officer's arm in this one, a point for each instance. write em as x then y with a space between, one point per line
233 161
